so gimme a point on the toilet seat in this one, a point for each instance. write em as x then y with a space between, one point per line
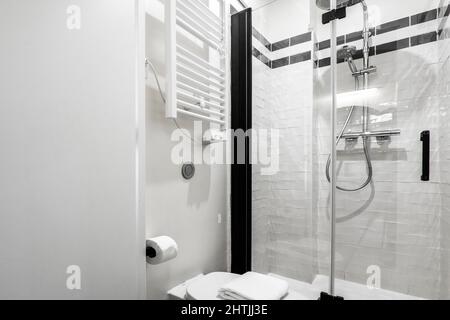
207 287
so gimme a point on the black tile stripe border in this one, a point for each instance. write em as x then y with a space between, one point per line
421 39
392 46
282 44
261 57
395 45
353 36
278 63
290 42
424 17
413 41
394 25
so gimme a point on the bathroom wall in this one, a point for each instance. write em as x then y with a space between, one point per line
71 150
194 212
399 223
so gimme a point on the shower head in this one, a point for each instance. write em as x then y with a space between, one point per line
325 4
347 53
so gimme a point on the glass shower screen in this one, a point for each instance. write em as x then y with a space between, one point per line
389 126
392 234
288 238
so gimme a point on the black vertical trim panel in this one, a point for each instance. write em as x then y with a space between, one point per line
241 118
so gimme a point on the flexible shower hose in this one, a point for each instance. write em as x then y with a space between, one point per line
366 152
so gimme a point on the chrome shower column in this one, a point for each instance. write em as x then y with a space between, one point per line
366 64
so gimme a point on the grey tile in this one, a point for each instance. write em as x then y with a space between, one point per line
301 39
265 60
355 36
256 53
392 46
280 63
305 56
424 17
324 62
261 57
280 45
324 44
264 41
423 38
260 38
393 25
327 43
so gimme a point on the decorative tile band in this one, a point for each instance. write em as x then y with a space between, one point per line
395 45
390 26
441 34
293 41
274 64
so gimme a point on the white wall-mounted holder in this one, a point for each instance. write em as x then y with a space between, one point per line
198 67
214 136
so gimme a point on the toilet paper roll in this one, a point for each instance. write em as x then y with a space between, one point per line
161 249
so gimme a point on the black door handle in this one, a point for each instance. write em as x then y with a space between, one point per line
425 138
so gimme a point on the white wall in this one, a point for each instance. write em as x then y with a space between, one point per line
194 213
69 169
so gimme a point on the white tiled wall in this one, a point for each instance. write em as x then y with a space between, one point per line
283 233
282 204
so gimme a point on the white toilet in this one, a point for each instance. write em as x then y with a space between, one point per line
206 287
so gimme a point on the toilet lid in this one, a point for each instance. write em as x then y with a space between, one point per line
207 288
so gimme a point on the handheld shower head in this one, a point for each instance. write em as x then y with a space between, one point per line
346 53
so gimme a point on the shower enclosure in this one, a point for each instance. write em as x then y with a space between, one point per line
358 92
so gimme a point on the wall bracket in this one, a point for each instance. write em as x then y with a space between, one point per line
334 14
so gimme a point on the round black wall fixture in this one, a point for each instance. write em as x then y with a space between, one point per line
188 171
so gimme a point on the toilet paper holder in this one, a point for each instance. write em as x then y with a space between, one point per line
150 252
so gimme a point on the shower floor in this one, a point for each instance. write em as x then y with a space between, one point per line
348 290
